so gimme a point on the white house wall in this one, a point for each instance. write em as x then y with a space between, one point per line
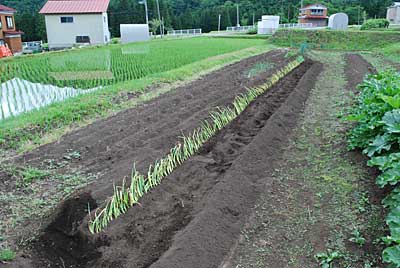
61 35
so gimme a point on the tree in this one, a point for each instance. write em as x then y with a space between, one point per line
154 25
184 14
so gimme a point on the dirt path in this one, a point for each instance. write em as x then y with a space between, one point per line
194 216
319 194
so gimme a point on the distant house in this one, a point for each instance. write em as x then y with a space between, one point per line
317 14
393 13
74 22
9 35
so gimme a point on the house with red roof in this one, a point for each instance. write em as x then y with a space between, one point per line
76 22
9 35
316 14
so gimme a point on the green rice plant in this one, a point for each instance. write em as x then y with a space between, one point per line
100 67
125 197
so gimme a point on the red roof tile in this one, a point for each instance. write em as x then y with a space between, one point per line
8 9
74 6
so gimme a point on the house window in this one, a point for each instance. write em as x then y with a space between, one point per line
83 39
67 19
104 19
10 22
1 43
317 11
106 38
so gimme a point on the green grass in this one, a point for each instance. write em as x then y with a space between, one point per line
37 127
340 40
391 51
26 175
7 255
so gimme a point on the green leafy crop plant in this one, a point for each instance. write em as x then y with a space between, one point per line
126 196
377 113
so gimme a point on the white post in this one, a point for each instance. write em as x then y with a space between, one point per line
147 12
159 17
237 15
219 22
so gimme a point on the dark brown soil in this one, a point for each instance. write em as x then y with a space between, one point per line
144 133
194 216
108 148
357 69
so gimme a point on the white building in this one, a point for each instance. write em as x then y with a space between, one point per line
72 22
268 24
393 13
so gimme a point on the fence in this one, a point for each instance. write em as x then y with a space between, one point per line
296 25
240 28
185 32
32 43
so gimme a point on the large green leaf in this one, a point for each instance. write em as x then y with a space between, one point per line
391 176
385 162
381 143
393 101
392 201
393 217
391 255
392 121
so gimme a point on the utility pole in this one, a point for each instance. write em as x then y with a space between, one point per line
144 2
254 19
159 18
301 4
237 15
219 22
147 12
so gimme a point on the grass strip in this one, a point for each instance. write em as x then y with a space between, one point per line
126 196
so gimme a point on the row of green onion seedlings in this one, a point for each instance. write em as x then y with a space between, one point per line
128 195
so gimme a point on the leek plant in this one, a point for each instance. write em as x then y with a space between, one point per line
126 196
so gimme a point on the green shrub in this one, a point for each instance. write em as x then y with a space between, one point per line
375 24
252 31
115 41
6 255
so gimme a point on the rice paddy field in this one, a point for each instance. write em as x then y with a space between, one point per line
22 79
202 152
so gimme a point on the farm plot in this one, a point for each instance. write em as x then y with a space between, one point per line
189 198
22 79
317 200
108 148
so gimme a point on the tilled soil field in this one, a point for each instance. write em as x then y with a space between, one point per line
193 218
109 148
